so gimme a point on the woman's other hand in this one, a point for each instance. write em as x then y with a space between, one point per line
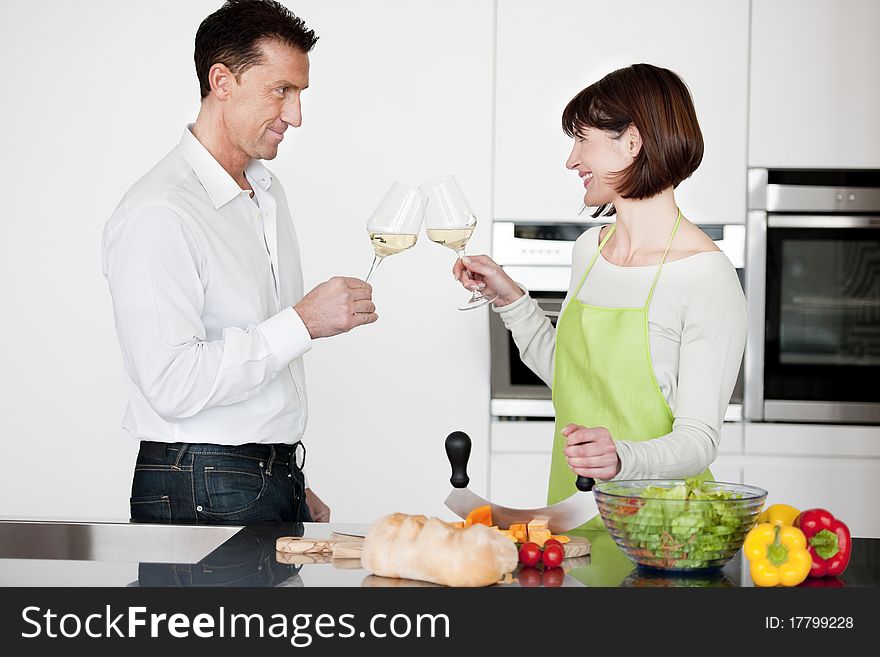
591 452
480 272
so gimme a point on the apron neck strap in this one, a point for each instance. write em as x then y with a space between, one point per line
593 261
605 241
663 259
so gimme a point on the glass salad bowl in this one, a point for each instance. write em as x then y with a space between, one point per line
677 524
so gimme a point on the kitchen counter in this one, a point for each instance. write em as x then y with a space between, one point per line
56 553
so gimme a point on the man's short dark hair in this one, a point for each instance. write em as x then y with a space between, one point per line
231 36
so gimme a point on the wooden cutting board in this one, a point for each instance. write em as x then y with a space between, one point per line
338 546
578 546
298 549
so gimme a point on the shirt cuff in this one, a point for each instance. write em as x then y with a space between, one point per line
287 336
515 305
627 458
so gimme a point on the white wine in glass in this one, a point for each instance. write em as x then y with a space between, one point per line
395 224
453 238
450 222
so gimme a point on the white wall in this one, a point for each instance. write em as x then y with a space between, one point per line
95 92
573 43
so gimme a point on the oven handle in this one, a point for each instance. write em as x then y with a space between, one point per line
822 221
756 275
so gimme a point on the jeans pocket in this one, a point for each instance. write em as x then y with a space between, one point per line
155 508
232 489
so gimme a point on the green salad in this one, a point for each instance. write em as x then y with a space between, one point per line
683 527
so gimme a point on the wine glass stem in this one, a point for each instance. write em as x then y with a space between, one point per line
376 261
475 294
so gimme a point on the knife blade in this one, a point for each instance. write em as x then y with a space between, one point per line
563 516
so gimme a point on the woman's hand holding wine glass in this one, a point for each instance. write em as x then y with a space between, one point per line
484 274
450 222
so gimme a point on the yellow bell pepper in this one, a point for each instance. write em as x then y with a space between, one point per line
777 555
779 514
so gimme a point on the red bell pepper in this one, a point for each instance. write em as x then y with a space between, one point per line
828 542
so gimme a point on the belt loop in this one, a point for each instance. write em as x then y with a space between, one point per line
293 459
271 460
180 454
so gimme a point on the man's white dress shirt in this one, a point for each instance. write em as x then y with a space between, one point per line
203 279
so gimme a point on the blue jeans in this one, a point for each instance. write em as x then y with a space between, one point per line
189 483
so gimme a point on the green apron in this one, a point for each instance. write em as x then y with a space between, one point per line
603 377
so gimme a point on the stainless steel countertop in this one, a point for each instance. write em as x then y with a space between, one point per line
114 542
61 553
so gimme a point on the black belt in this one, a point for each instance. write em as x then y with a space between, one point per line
283 453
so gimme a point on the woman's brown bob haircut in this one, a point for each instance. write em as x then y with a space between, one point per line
660 106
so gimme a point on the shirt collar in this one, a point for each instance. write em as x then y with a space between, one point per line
214 178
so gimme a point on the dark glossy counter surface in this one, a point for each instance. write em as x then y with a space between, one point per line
41 553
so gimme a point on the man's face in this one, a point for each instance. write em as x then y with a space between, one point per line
266 100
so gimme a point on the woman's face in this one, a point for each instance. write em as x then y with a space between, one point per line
596 156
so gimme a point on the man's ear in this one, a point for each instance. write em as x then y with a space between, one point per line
221 80
633 140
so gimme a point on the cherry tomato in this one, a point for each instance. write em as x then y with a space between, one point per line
530 553
553 541
553 577
529 577
553 556
630 507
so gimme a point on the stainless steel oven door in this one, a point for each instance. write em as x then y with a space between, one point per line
814 297
517 392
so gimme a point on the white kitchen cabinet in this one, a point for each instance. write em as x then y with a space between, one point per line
520 463
535 437
728 464
815 84
848 487
835 440
727 469
832 466
564 46
732 438
519 480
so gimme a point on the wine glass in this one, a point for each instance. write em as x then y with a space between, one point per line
450 222
395 223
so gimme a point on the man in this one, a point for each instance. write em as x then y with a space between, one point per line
204 271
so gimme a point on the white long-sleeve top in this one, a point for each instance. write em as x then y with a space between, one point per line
203 279
696 331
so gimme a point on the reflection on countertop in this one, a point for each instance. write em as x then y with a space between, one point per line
40 553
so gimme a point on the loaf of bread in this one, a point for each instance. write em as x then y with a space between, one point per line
428 549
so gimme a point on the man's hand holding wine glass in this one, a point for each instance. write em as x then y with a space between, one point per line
337 306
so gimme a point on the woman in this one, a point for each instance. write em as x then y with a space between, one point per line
647 348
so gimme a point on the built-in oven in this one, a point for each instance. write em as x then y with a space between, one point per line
538 256
813 285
